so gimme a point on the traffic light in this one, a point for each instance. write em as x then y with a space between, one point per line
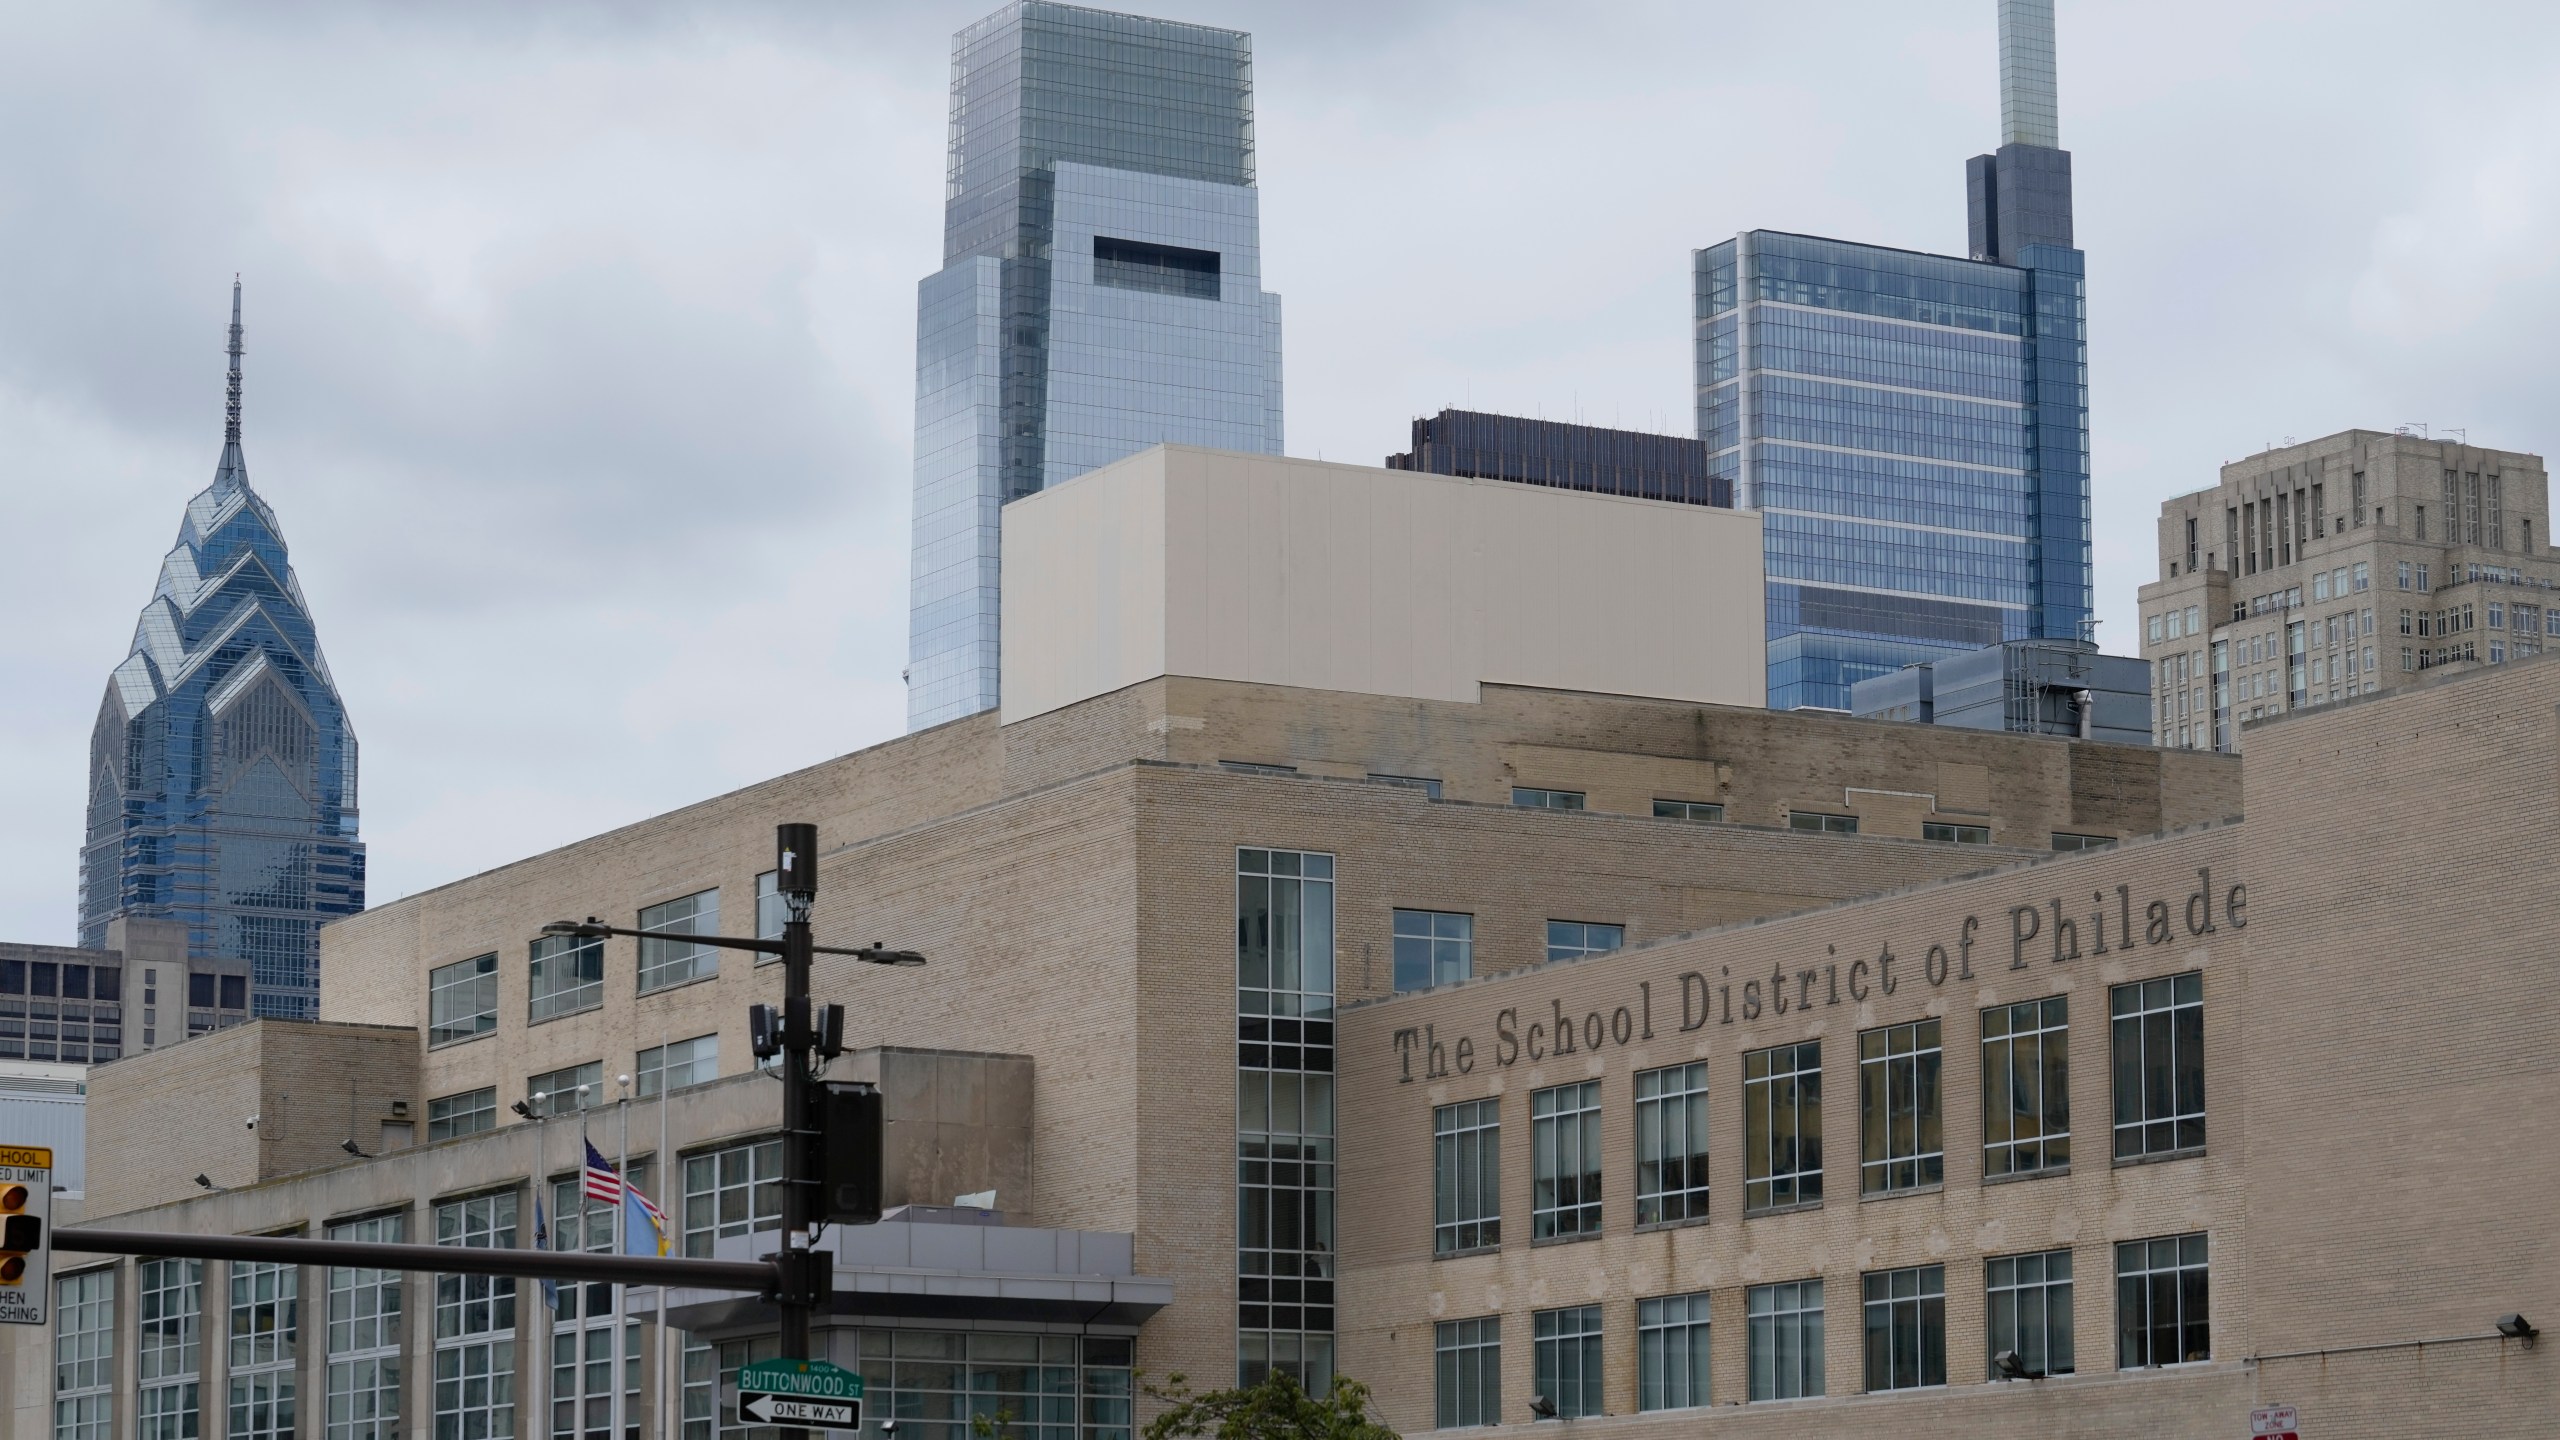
26 1194
847 1164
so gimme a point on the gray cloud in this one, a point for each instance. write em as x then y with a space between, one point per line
580 335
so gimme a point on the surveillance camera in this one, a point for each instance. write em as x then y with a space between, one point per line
889 1427
251 1122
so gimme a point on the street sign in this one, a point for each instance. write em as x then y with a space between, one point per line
2275 1422
26 1240
799 1392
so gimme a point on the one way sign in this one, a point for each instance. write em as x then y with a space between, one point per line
784 1410
799 1392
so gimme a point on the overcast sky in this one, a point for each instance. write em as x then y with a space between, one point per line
581 336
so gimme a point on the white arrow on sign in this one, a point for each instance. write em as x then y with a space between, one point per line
782 1409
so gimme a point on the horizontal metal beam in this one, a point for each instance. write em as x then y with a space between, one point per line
752 1276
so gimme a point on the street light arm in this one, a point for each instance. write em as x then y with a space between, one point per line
597 930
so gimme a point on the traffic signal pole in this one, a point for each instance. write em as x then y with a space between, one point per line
800 1270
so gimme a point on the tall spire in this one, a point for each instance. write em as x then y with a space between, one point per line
231 398
2029 114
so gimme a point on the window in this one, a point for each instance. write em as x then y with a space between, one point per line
1568 1360
1900 1129
711 1368
2175 629
2027 1300
2497 615
673 962
1671 1353
1158 269
2320 586
1906 1327
468 1113
772 911
2422 570
462 1000
567 976
1467 1371
2062 841
364 1339
2162 1315
2364 576
1433 947
2151 629
265 1328
566 1091
2403 574
2026 1089
2406 623
1466 1177
1955 834
475 1347
2195 619
1573 939
1256 767
2159 1064
1671 1144
1284 1116
169 1298
950 1385
1428 787
1785 1339
734 1191
1782 1126
1828 824
1529 798
677 1064
84 1355
1697 812
1564 1143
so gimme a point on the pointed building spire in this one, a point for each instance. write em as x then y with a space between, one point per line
231 397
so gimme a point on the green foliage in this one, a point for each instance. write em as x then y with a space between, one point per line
1275 1409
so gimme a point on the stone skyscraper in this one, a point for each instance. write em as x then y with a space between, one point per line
1101 292
222 772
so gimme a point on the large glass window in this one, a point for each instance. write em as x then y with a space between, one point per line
709 1369
1573 939
462 1000
1284 1116
265 1331
675 1065
1564 1143
2163 1314
84 1355
582 1318
1467 1371
940 1385
1568 1360
732 1191
1671 1353
1826 824
475 1349
1948 832
1433 947
1530 797
1906 1332
1785 1339
772 911
1671 1143
2026 1087
1782 1126
1900 1124
567 975
669 961
169 1296
1466 1177
567 1090
364 1339
1696 812
468 1113
2027 1301
2158 1040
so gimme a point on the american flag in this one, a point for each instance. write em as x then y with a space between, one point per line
605 1187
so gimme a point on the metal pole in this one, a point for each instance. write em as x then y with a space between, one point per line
621 1237
753 1277
796 879
666 1188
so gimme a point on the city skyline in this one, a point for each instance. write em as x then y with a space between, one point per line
561 420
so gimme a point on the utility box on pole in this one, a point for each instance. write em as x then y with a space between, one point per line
848 1161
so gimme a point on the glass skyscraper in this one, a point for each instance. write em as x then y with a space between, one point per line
222 772
1100 293
1913 428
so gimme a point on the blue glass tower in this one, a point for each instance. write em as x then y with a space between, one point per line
1100 293
1913 428
222 772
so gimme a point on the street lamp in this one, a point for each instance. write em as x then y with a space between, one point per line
799 1276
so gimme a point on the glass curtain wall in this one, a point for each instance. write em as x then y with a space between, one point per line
1284 1115
475 1349
266 1333
364 1338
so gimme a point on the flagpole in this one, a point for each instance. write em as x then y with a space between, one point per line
586 1297
666 1173
537 1383
621 1245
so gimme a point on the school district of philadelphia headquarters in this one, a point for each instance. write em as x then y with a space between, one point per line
1385 964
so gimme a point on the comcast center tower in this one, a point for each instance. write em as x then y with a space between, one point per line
1101 292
